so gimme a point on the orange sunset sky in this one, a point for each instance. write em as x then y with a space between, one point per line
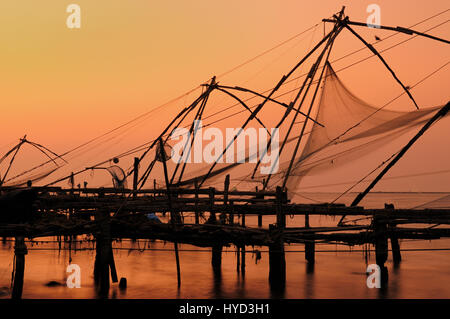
63 86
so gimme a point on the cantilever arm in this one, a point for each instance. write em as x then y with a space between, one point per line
374 51
398 29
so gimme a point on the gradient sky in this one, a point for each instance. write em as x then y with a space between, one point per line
63 86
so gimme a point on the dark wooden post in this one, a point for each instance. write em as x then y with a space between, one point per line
381 247
281 217
243 259
197 213
396 254
259 216
231 212
212 216
20 250
225 195
174 218
238 262
72 183
104 259
135 175
277 262
216 259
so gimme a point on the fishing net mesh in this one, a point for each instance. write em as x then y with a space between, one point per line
351 129
118 176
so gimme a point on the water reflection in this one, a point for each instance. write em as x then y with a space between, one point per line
309 281
151 273
217 282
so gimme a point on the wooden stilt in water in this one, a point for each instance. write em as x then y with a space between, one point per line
238 261
396 255
243 259
112 266
223 216
104 259
310 245
216 258
177 260
20 250
381 249
174 218
277 262
103 254
197 213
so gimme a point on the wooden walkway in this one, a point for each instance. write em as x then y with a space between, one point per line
220 220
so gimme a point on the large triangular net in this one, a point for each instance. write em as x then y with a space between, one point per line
351 128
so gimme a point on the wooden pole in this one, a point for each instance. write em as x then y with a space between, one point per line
216 258
259 216
231 212
212 216
20 250
243 259
197 213
172 213
135 175
238 262
396 254
381 248
104 259
281 217
277 262
225 194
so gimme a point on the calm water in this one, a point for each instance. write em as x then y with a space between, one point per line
339 271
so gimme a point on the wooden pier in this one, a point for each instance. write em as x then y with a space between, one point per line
220 221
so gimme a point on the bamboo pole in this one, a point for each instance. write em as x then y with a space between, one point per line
20 250
172 213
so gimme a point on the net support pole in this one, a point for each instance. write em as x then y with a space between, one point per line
20 250
172 213
135 175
